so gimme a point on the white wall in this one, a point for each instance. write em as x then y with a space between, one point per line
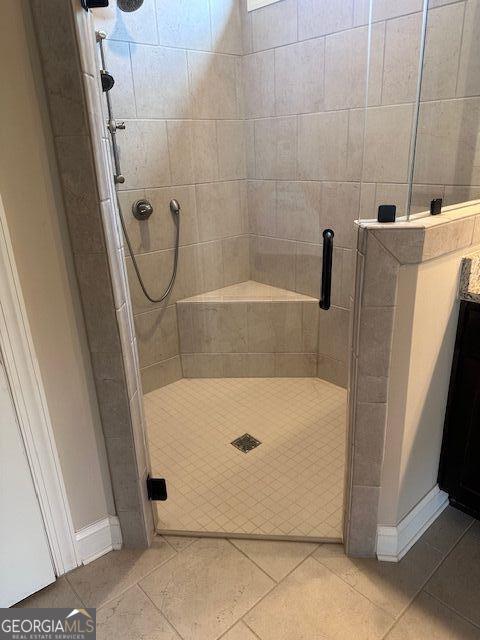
30 192
423 341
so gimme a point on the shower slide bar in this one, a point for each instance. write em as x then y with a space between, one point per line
113 125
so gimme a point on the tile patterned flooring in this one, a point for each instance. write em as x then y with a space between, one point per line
211 588
290 485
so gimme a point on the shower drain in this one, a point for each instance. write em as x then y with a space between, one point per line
246 443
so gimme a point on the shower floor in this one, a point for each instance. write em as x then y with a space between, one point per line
290 485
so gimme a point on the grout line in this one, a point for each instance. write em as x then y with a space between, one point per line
250 559
450 608
158 609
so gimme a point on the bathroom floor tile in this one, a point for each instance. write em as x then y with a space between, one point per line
240 632
275 558
133 616
110 575
312 602
205 589
457 582
447 529
428 618
59 594
291 485
390 585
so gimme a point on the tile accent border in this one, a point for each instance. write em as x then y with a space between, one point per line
381 250
66 42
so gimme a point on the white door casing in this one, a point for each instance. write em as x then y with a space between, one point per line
28 396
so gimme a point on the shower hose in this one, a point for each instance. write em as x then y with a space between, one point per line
167 291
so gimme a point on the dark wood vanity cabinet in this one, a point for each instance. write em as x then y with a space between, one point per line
459 473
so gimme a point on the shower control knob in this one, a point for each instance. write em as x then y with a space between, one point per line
120 124
142 209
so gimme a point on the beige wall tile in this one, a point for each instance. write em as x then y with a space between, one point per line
402 49
250 147
157 335
355 145
328 132
387 143
144 154
362 537
448 152
122 95
361 12
236 259
340 207
308 268
367 208
203 365
346 69
384 9
159 231
213 85
249 365
381 273
210 261
226 22
276 148
296 365
161 374
319 17
184 24
391 194
299 81
137 26
161 82
369 442
333 333
259 83
298 210
443 239
273 261
231 150
342 277
262 206
454 195
219 210
274 25
375 68
276 327
332 370
442 51
219 328
469 70
376 327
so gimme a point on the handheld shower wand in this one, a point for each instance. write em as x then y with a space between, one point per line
175 208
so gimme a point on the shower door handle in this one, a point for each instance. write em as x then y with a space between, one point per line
326 269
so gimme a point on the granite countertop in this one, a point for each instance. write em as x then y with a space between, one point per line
470 278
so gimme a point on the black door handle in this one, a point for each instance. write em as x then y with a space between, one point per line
327 269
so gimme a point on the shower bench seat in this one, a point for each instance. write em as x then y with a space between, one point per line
248 329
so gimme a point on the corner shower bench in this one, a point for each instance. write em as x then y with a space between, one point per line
248 329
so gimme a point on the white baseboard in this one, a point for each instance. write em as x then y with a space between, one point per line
98 539
394 542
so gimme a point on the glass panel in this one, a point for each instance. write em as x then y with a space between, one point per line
447 150
396 35
260 139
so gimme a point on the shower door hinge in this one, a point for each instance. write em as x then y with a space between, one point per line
93 4
156 488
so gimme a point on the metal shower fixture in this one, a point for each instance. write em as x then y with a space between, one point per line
129 5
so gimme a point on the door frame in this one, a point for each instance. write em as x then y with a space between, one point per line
23 374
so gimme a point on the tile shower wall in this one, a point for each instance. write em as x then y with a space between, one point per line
447 153
178 87
304 81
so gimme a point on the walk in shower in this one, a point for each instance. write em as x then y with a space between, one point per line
268 127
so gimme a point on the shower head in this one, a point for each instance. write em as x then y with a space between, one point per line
129 5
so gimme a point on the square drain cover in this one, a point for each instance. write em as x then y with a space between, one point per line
246 443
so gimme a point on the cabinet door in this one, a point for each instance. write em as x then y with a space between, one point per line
460 464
